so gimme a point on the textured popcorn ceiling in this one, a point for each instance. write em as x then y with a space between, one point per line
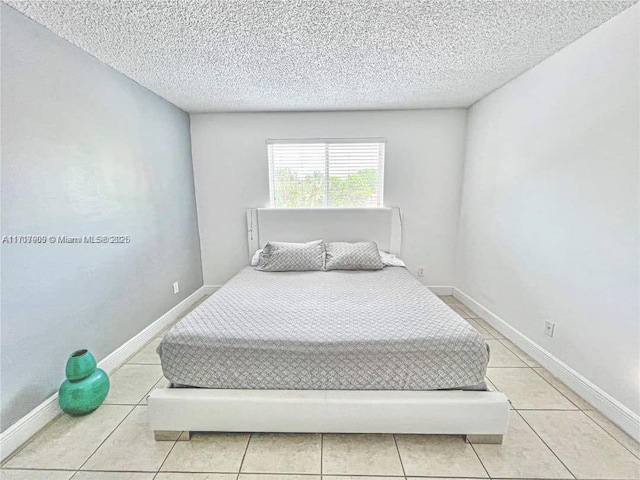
320 54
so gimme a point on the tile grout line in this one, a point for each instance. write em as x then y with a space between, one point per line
583 410
500 340
144 397
29 440
551 385
545 443
480 319
395 441
105 439
121 422
199 472
76 470
139 403
274 474
479 327
36 469
141 348
547 410
321 453
480 460
346 475
610 434
507 367
246 449
547 382
166 457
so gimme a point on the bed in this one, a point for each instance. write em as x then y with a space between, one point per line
336 330
336 351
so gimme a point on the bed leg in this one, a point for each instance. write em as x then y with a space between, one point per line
171 435
494 439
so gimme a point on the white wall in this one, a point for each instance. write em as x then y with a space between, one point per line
423 172
549 220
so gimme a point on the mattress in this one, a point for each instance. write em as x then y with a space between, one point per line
336 330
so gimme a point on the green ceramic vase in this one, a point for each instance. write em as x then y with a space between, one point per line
86 386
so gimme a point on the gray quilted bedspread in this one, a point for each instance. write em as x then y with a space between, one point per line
336 330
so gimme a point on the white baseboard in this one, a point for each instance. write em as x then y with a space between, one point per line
209 289
21 431
441 290
601 400
119 356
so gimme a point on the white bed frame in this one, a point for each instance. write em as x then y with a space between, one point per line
175 413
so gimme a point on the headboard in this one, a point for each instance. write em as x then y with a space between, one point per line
380 225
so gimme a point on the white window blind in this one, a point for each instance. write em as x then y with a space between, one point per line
326 173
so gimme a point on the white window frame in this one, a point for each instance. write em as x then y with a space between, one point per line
327 142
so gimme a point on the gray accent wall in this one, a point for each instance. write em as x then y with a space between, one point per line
85 151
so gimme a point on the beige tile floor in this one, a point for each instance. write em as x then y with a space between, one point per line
553 434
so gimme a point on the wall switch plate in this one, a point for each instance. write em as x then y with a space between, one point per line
548 328
176 287
421 271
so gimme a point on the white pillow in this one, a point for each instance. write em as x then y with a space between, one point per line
256 258
388 259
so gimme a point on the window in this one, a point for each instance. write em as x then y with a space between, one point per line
326 173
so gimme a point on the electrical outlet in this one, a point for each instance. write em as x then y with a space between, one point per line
421 271
548 328
176 287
